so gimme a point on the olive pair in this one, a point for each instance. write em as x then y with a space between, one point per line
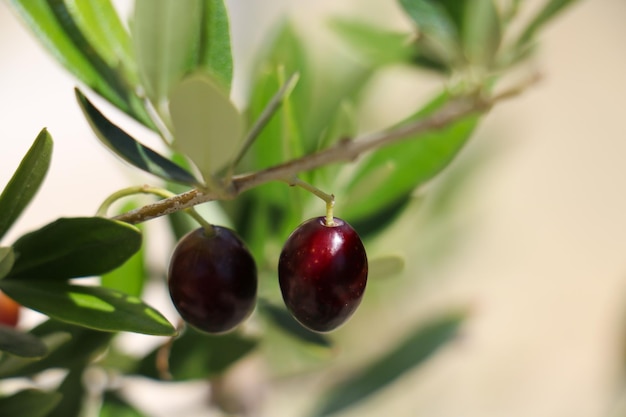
322 272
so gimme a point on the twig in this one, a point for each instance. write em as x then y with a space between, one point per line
344 151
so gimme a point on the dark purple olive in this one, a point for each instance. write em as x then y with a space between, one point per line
322 273
212 280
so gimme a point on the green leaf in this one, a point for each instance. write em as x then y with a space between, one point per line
129 149
391 173
284 321
53 23
7 258
286 55
73 391
438 34
550 9
197 355
175 38
343 125
207 126
114 406
21 344
376 45
281 139
92 307
481 33
74 247
214 53
129 277
101 25
69 346
29 403
409 353
26 181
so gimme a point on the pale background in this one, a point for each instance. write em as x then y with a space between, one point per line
544 264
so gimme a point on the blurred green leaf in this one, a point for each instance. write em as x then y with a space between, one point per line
438 34
285 56
129 277
285 322
74 247
69 346
114 406
481 32
53 24
385 266
343 125
73 392
377 46
21 344
478 26
280 139
197 355
207 126
127 148
7 258
26 181
29 403
94 307
455 10
175 38
409 353
101 25
391 173
214 52
550 9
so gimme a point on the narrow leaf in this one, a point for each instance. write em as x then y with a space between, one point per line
214 51
176 38
74 247
7 258
101 24
376 45
21 344
92 307
550 9
411 352
284 321
129 277
207 126
26 181
69 346
114 405
437 32
393 172
29 403
73 393
56 28
129 149
197 355
266 115
481 32
164 35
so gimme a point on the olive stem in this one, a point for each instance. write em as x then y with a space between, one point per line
147 189
344 151
329 199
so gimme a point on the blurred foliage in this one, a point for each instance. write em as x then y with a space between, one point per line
171 69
